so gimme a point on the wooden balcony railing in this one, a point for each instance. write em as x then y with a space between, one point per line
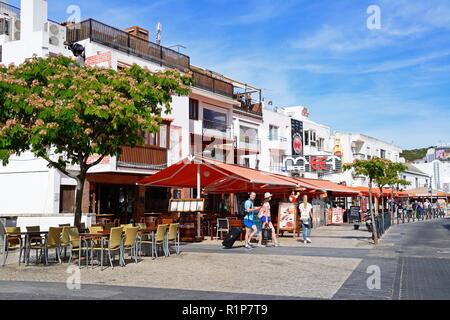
123 41
146 157
209 83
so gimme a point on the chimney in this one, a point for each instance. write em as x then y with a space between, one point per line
139 32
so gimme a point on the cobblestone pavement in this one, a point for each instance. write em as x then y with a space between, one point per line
413 258
207 271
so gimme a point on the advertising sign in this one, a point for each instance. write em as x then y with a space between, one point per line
297 137
321 164
287 217
338 216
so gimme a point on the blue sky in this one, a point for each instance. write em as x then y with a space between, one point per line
392 83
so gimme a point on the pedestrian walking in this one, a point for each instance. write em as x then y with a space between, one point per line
264 213
249 219
306 219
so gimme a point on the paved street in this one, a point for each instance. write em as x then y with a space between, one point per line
414 260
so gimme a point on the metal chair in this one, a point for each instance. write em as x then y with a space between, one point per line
10 241
130 243
161 239
34 242
111 245
77 245
174 236
223 225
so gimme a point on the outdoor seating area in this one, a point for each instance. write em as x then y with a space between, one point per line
98 245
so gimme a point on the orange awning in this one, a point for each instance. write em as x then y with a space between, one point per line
326 185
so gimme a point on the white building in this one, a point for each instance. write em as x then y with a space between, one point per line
416 177
281 126
439 172
221 119
357 146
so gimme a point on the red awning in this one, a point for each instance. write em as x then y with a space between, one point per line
326 185
216 177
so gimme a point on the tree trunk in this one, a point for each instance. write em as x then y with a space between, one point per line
79 200
374 225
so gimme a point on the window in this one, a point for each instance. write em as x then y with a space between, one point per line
320 144
0 54
383 154
4 26
214 120
313 138
417 182
248 134
67 199
273 133
193 109
163 136
306 138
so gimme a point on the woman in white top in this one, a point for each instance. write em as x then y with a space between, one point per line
306 218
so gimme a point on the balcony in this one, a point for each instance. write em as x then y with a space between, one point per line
123 41
216 129
143 157
249 144
212 84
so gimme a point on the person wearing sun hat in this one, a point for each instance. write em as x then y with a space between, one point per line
264 213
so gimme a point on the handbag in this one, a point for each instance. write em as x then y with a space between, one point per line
267 234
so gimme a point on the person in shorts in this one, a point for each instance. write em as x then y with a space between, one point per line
249 219
264 213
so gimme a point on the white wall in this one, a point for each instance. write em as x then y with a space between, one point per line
429 168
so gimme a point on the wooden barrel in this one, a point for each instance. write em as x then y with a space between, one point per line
188 227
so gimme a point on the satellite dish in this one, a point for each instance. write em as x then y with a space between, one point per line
17 35
17 24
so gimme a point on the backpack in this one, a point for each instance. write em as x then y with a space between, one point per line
241 210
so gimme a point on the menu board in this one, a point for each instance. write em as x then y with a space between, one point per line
186 205
354 214
287 217
338 216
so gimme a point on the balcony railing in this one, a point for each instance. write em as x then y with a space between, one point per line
249 144
216 128
123 41
254 108
145 157
277 139
9 9
212 84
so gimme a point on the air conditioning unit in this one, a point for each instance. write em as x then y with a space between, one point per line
57 34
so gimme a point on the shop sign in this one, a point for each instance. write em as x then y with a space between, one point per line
338 216
323 164
297 137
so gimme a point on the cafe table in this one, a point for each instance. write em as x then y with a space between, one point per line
25 240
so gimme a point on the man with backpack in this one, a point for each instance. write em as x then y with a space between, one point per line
249 219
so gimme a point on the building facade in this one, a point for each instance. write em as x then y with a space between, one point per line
220 119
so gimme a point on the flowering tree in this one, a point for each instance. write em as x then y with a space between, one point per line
373 169
65 113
